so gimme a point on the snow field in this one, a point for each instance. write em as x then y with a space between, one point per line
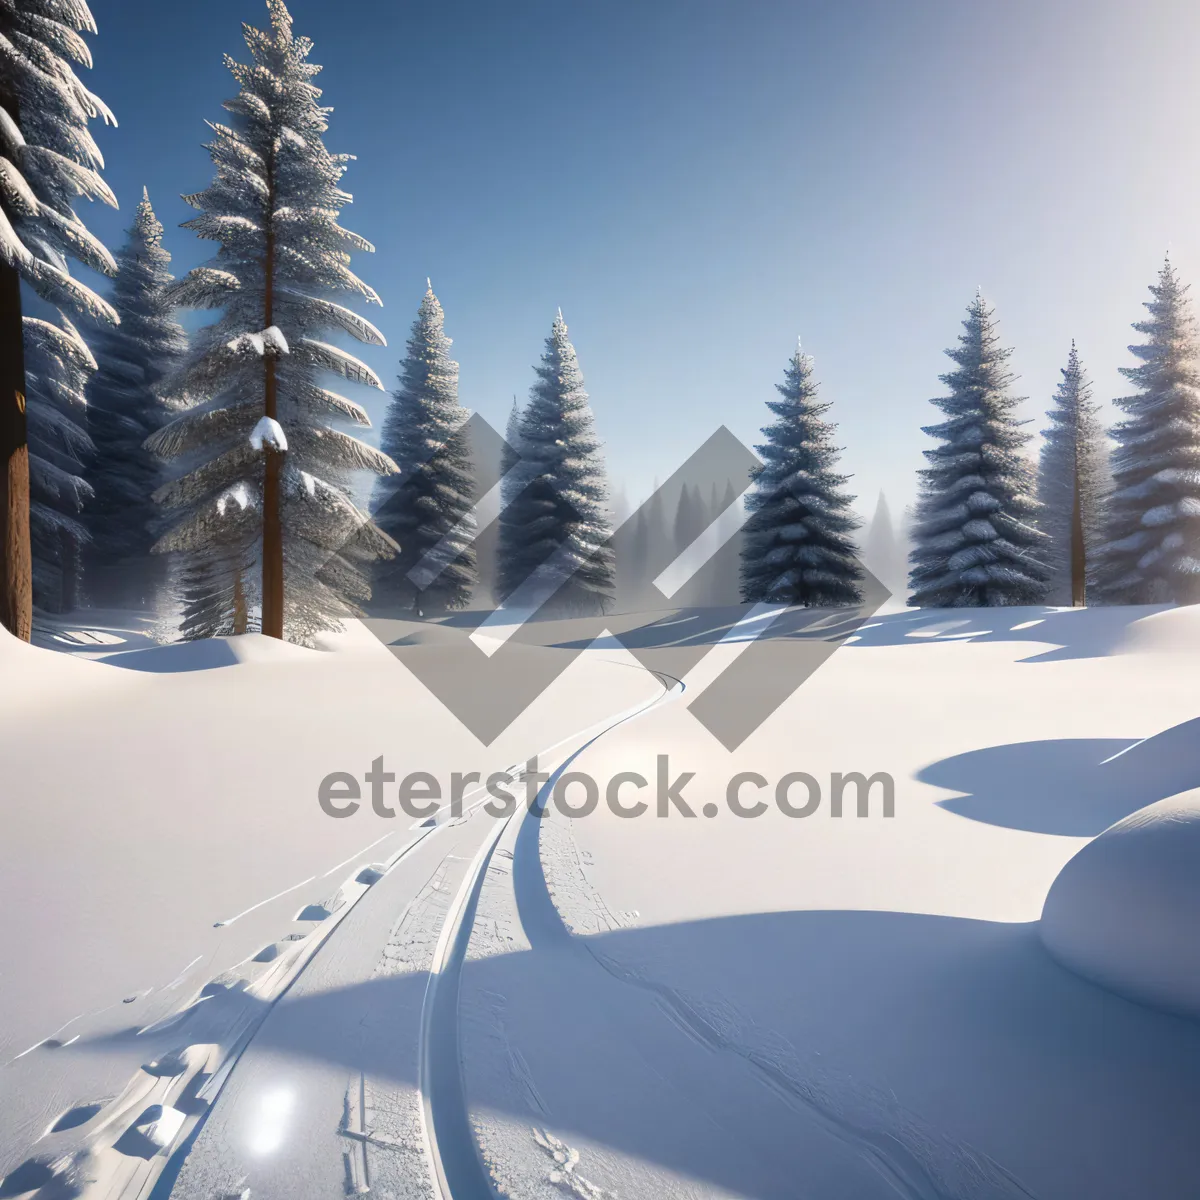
856 1007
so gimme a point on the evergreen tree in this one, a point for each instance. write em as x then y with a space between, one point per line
510 453
512 480
48 159
689 518
631 564
264 515
58 366
430 503
975 541
1071 475
882 554
555 552
1152 524
126 406
797 547
621 511
647 545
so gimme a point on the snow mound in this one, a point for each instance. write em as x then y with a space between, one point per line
1124 911
1173 631
208 654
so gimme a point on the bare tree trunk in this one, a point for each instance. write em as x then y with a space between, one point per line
272 564
16 553
1078 549
241 614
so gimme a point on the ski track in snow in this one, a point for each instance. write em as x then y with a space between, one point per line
920 1162
116 1146
423 1143
385 1119
137 1143
461 1166
539 866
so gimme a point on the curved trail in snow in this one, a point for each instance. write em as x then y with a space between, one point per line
458 1170
909 1160
454 1168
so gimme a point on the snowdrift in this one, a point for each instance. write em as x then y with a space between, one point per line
1124 911
1170 631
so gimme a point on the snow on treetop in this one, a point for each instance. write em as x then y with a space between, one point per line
269 433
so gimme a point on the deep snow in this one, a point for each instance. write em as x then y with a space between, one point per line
721 1006
1123 911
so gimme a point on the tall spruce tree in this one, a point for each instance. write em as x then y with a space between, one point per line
1071 480
48 159
427 508
264 517
555 551
510 454
976 544
1152 523
797 545
125 407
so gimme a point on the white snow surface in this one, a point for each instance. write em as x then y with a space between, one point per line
1125 910
678 1007
859 1007
163 841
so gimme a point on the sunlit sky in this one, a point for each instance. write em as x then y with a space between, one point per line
698 183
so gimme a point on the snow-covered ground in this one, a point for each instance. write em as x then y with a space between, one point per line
662 1006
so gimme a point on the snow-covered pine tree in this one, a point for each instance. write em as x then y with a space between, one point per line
264 510
48 159
58 365
976 544
555 551
510 454
429 504
125 407
1151 552
1071 478
797 543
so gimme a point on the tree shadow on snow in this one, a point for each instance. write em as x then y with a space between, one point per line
1073 632
1074 787
206 654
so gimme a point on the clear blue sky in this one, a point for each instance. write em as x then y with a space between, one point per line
698 183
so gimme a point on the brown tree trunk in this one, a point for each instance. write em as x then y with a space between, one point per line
1078 549
241 614
16 554
272 549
